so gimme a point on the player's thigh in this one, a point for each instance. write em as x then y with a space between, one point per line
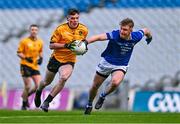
36 79
26 75
117 77
98 80
65 71
25 71
49 76
27 81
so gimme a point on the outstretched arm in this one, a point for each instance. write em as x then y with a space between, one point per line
148 35
99 37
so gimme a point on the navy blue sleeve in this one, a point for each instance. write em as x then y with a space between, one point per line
138 35
112 35
108 36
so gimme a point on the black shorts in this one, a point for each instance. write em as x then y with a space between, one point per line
28 71
54 65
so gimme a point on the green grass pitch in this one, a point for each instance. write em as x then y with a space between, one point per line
34 116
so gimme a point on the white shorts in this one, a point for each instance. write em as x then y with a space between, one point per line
105 69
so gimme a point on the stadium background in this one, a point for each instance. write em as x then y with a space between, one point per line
153 67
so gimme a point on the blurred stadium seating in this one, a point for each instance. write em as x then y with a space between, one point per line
148 62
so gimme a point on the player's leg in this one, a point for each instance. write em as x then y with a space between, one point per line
98 80
102 72
49 76
26 75
116 79
27 85
52 69
65 72
36 79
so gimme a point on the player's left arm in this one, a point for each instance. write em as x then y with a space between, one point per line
40 59
99 37
148 35
41 49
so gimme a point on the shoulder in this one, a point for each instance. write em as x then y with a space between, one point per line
40 40
83 26
113 35
24 40
116 32
61 26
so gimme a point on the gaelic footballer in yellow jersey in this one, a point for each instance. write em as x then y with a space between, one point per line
62 59
64 34
30 52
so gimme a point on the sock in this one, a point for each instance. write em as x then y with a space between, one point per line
89 103
24 103
49 99
103 94
41 86
38 91
30 93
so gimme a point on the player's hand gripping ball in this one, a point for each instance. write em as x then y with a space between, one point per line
78 47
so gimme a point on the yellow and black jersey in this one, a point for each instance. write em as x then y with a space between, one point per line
30 48
65 34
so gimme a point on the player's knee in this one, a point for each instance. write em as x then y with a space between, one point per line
45 82
27 88
35 87
115 83
64 77
61 83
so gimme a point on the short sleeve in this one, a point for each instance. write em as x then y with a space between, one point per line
41 49
21 47
111 35
138 35
85 32
56 36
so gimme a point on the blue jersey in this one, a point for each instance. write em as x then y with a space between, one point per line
118 51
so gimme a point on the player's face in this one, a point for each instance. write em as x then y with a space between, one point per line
34 31
125 31
73 20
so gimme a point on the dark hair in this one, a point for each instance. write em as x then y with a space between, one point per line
33 25
73 11
127 21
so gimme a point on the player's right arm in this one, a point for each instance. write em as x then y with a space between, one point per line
99 37
55 38
56 45
21 55
20 52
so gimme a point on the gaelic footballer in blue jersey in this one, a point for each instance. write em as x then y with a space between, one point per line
115 58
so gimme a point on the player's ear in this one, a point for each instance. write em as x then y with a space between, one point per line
131 29
67 18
